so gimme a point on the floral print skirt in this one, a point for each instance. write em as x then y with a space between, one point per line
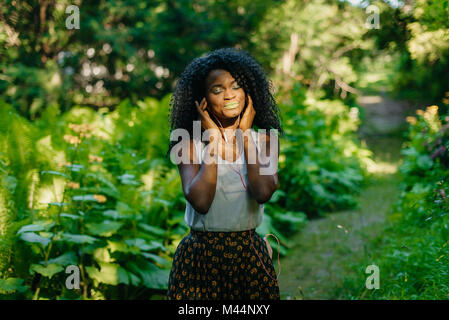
222 266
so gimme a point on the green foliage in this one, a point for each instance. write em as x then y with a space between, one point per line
91 186
122 49
102 195
413 252
315 42
104 198
419 34
7 215
311 182
11 285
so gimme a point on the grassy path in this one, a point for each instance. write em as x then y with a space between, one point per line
327 246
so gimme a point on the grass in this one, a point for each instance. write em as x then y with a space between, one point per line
327 247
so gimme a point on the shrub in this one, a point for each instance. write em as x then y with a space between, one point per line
413 252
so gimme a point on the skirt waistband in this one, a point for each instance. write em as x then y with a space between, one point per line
221 234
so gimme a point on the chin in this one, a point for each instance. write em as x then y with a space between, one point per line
232 113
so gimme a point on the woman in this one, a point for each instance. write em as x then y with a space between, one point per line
223 257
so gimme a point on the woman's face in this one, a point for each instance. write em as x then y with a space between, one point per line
225 98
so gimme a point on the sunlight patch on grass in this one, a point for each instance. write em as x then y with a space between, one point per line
382 167
369 99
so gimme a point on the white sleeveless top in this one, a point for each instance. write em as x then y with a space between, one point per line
232 204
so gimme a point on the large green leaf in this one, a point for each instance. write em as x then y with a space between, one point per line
152 229
87 197
110 273
68 258
123 209
102 255
77 238
104 229
120 246
292 217
55 173
37 226
144 245
11 285
152 277
34 238
424 162
158 259
157 245
113 191
111 214
128 179
277 195
69 215
58 204
49 271
75 167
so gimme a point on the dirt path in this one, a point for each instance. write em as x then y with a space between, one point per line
325 248
384 116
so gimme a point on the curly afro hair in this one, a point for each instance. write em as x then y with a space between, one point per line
246 71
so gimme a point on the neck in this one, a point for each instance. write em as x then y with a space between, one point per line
230 124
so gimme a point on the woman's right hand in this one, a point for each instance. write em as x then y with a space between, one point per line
206 121
214 134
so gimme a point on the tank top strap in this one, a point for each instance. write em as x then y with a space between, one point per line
199 146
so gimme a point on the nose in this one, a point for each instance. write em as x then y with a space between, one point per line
228 94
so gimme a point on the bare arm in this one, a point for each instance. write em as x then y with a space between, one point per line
262 186
199 182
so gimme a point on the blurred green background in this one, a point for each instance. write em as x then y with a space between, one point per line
84 130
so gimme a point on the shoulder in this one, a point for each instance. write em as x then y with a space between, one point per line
267 138
260 135
188 148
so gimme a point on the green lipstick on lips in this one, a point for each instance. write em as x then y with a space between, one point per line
231 105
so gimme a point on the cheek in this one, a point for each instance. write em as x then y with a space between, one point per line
242 99
213 102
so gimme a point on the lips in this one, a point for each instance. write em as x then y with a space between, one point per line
231 105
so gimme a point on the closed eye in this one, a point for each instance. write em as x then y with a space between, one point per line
218 88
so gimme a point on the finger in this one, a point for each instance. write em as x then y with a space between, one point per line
203 104
198 108
251 106
208 118
250 101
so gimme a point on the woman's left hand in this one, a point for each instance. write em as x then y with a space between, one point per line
248 116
